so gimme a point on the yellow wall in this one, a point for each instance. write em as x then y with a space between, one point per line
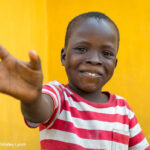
23 26
41 25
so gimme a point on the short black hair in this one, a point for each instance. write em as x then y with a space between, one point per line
96 15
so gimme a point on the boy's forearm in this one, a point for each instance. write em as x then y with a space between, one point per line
39 110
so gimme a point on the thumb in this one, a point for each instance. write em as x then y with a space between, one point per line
3 53
35 62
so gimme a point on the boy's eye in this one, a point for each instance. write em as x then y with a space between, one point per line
81 49
107 53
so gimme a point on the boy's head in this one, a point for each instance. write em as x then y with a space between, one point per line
89 56
95 15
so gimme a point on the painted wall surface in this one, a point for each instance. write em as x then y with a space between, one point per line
41 25
23 26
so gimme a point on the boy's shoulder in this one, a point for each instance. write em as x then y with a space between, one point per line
120 99
54 82
122 102
58 85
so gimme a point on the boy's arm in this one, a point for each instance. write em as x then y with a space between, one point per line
23 80
38 111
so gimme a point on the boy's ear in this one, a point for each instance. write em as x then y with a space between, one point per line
116 62
63 56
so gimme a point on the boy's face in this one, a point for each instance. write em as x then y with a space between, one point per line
90 56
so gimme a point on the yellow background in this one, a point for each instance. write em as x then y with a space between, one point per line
41 25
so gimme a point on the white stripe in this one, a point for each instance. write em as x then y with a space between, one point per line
56 83
32 124
74 139
135 130
81 106
121 132
140 146
59 84
119 97
68 90
92 124
131 115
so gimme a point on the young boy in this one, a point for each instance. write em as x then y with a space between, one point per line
76 116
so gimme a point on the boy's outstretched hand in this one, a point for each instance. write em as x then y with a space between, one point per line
22 80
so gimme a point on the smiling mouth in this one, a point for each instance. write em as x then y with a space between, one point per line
91 74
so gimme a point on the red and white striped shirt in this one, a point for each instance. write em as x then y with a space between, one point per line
78 124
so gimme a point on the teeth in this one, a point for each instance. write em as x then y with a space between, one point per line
92 74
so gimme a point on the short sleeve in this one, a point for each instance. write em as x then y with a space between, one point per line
54 90
137 139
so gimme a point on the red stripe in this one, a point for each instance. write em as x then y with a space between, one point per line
49 88
136 139
120 138
133 122
58 145
90 134
121 103
89 115
148 148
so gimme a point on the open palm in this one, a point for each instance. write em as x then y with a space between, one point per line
22 80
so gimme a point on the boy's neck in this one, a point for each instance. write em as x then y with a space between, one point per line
96 96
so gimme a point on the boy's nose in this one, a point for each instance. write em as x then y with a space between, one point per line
94 58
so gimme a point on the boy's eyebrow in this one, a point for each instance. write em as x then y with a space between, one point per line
108 46
87 43
81 42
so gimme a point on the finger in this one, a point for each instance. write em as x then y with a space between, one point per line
3 53
35 62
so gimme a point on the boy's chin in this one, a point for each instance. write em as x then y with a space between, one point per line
89 88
